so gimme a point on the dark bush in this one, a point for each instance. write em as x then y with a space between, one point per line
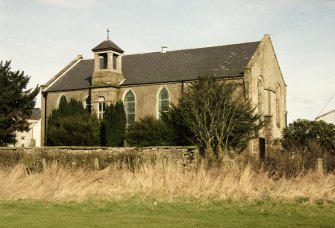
75 130
303 142
71 125
297 160
113 125
182 134
150 132
305 133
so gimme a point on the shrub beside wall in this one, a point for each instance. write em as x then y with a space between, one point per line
71 125
150 131
113 125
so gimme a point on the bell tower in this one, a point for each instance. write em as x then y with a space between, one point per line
107 64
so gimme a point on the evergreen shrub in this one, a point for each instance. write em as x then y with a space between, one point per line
150 131
71 125
113 125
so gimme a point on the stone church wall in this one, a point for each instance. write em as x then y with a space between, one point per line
265 67
54 98
146 97
51 102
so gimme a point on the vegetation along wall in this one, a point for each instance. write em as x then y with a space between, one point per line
35 159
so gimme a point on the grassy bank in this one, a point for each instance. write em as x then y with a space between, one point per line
164 195
164 183
184 213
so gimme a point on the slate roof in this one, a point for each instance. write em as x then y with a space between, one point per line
78 77
172 66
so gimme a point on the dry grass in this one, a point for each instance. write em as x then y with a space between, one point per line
161 182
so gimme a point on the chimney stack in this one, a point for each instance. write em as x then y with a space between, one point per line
164 49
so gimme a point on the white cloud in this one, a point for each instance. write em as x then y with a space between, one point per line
71 4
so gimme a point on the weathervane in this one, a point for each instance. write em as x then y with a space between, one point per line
108 34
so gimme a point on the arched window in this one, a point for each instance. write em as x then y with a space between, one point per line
87 103
101 101
260 96
163 101
129 106
278 105
62 102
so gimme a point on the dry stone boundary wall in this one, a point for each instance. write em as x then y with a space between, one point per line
36 159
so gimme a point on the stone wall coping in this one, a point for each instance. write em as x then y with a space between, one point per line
108 150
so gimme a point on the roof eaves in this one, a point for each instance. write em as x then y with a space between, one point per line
104 86
325 114
64 90
179 81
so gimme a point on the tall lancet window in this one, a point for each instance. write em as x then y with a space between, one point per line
260 96
129 106
278 105
163 101
101 102
87 103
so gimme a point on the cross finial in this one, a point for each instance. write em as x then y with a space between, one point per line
108 34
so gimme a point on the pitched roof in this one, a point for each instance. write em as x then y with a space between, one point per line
77 77
172 66
107 45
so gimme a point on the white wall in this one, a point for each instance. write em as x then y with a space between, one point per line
24 138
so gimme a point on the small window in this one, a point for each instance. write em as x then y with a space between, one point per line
87 103
163 101
278 105
62 102
260 96
129 105
101 101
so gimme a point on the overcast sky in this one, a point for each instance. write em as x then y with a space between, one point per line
42 36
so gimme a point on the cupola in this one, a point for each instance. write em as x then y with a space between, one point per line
107 63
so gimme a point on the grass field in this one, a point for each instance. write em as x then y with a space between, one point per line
167 196
150 213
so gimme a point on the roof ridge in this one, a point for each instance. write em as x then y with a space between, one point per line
185 49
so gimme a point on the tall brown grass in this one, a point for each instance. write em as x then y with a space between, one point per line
162 183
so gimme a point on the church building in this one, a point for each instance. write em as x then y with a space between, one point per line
147 83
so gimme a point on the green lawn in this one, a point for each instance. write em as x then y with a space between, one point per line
146 213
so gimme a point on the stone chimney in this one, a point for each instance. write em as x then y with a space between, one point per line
164 49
